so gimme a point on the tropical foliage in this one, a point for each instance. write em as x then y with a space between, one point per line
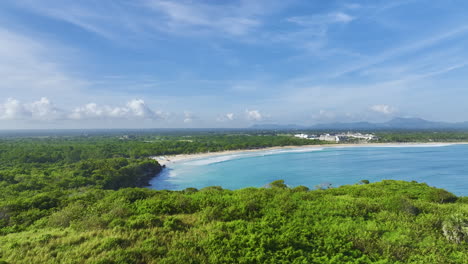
76 200
385 222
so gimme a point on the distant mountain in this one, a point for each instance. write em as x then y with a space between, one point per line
346 126
277 127
396 123
414 123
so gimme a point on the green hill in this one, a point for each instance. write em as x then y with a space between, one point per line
384 222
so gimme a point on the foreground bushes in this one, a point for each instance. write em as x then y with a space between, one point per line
385 222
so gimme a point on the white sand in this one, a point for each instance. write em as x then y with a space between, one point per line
169 159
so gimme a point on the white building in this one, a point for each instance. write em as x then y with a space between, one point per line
328 137
302 136
358 136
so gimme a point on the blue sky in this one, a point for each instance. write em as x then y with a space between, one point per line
161 63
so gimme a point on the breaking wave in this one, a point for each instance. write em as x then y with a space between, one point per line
224 158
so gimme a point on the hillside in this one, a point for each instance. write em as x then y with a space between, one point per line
385 222
67 200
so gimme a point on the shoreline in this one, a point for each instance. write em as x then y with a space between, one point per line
171 159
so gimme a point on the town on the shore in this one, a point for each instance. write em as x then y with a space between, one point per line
340 137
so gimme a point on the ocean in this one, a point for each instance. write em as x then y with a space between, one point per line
442 166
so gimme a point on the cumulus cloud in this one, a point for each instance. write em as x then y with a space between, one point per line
189 117
253 115
230 116
13 109
226 117
383 109
43 109
133 109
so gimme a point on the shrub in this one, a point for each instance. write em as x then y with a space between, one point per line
301 188
455 228
174 224
144 221
277 184
64 217
364 182
441 196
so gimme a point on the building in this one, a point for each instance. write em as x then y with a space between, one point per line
328 137
305 136
349 135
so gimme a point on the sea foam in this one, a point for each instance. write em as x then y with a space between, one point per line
224 158
414 145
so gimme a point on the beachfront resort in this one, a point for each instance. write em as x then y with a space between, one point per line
340 137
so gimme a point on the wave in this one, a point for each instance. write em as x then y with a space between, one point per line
216 159
241 155
224 158
414 145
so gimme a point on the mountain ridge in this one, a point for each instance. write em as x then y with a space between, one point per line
403 123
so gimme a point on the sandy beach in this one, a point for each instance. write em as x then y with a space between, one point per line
169 159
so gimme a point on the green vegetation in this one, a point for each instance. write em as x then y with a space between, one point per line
76 200
386 222
422 136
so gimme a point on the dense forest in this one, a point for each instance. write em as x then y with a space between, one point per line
77 200
422 136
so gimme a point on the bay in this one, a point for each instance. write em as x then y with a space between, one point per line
443 166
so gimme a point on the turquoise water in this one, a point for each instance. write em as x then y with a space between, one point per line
442 166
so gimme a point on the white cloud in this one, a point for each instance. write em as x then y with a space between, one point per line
340 17
226 117
312 33
43 109
113 19
408 48
13 109
230 116
196 17
134 109
138 108
322 20
253 115
383 109
189 117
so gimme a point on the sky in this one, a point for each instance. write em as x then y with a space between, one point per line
215 63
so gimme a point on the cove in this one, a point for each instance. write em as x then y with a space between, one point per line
442 166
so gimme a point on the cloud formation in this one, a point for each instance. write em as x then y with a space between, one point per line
189 117
199 17
45 110
301 55
253 115
322 20
12 109
383 109
226 117
133 109
230 116
148 17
